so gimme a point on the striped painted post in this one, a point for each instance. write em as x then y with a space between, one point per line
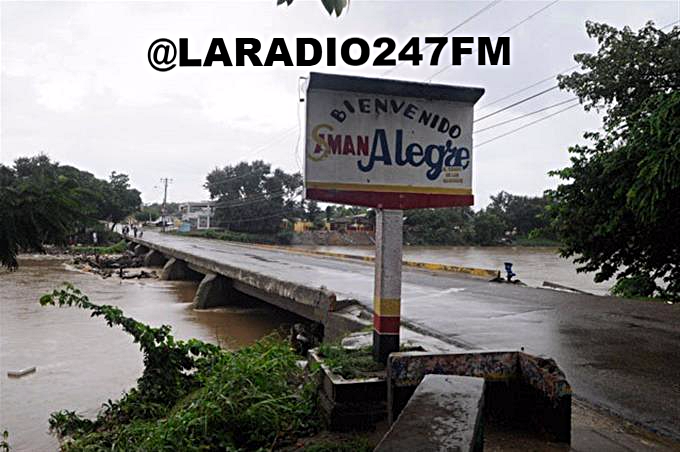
387 289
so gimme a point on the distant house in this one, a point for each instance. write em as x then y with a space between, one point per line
352 223
197 214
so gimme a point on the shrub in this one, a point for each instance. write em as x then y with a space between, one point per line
193 395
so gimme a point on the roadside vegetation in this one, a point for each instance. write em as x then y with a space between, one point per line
43 202
349 363
117 248
280 238
616 210
195 396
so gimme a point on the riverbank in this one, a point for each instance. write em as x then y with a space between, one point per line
193 395
80 362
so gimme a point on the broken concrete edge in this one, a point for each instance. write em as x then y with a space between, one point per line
444 413
539 372
315 297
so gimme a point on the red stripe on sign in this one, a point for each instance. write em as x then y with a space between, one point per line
389 200
386 325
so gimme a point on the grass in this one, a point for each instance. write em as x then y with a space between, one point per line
349 363
117 248
354 363
280 238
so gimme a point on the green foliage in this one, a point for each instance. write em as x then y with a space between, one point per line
121 200
233 236
194 396
489 228
520 215
118 248
148 213
617 208
438 226
43 202
38 206
639 286
349 363
253 198
332 6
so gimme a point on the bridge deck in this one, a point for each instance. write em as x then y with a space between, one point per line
617 353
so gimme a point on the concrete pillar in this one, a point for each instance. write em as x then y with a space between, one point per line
214 290
140 250
154 259
177 270
387 287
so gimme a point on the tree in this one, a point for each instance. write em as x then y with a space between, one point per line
43 202
121 199
252 198
489 228
519 214
438 226
617 208
38 206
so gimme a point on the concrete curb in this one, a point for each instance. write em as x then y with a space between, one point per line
484 273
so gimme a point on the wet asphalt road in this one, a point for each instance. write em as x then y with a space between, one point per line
620 354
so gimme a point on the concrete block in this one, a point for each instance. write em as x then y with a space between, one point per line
521 389
214 290
154 259
444 414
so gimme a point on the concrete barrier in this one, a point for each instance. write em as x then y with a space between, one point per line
520 388
444 414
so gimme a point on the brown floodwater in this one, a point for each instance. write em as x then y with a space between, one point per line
533 265
81 362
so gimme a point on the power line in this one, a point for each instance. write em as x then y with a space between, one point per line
525 126
482 10
502 123
521 90
521 101
670 24
529 17
526 19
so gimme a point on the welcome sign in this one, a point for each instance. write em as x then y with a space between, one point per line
388 144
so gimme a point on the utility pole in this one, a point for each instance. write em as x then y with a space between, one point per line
165 182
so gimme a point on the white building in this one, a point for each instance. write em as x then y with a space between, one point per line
198 214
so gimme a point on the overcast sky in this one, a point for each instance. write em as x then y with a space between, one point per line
76 83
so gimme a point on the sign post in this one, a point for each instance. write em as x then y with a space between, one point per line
387 288
390 145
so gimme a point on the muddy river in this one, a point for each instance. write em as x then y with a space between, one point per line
80 361
533 265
